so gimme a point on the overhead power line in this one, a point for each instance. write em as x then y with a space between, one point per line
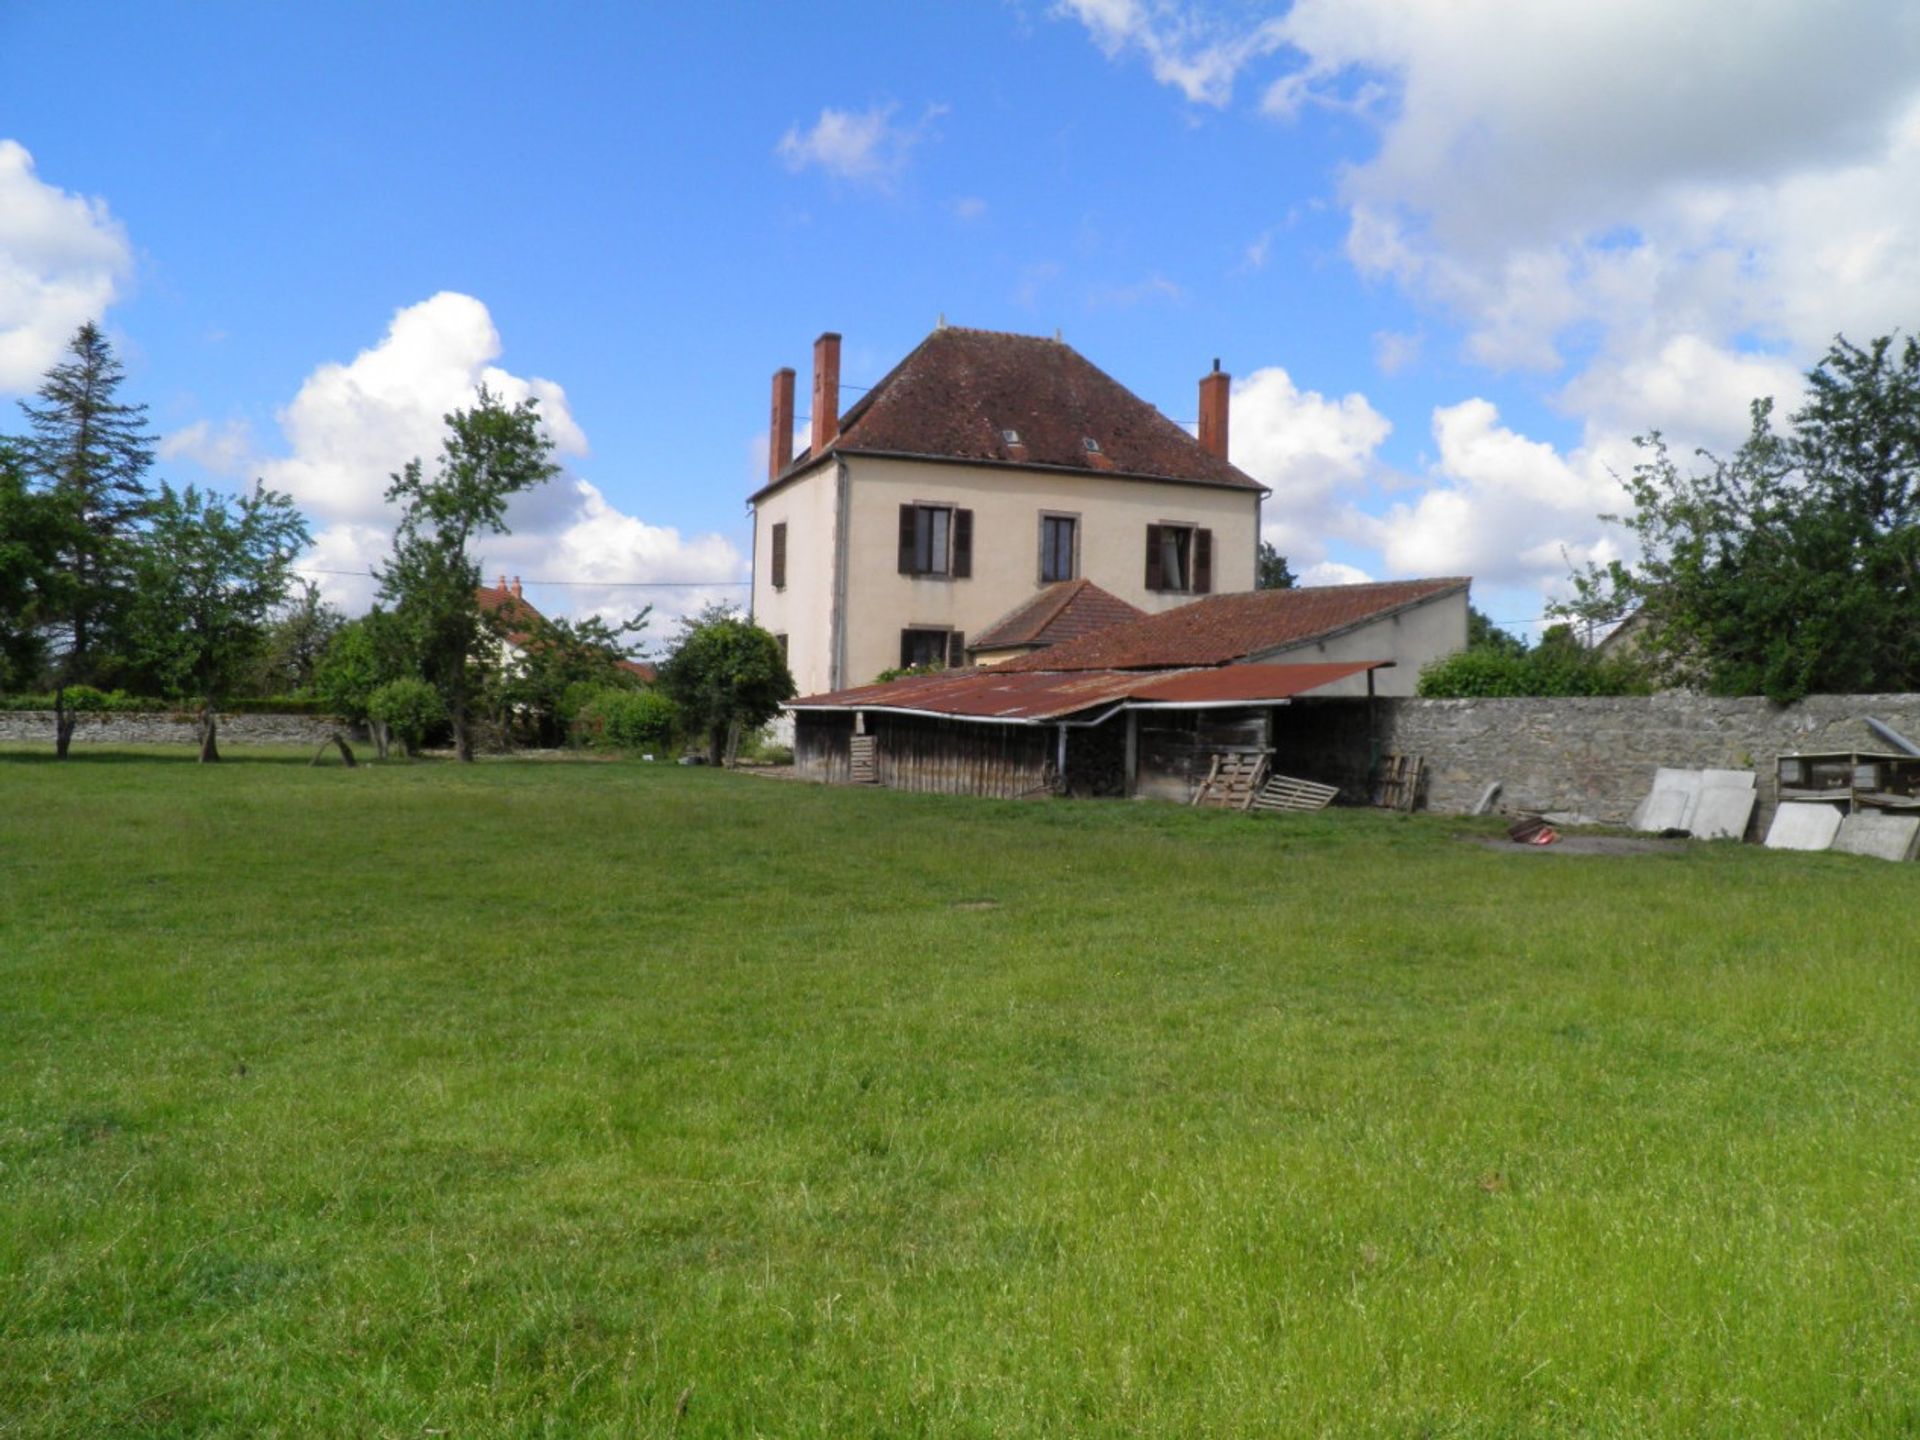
583 584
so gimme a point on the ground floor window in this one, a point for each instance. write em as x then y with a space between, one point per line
924 646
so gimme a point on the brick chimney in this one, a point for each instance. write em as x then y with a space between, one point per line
826 391
516 587
780 427
502 586
1213 412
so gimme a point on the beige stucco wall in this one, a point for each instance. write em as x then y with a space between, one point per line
802 610
1411 639
1007 504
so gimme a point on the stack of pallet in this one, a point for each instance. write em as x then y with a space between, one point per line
1283 792
860 756
1233 779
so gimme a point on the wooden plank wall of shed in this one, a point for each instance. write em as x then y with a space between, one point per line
1177 747
820 746
949 757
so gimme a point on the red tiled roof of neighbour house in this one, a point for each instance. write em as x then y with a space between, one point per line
1062 611
958 391
520 617
1221 629
992 693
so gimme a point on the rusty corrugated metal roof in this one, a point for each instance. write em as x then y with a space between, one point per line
994 693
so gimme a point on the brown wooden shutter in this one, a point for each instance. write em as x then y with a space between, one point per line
906 541
1156 579
956 649
1203 562
962 544
780 556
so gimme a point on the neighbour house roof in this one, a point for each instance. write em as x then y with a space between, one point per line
519 620
1063 611
991 693
1222 629
957 394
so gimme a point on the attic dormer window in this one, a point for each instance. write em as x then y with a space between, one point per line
1012 437
1090 445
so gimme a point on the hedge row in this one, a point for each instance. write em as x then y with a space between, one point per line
86 699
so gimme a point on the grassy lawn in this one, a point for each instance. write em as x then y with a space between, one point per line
610 1099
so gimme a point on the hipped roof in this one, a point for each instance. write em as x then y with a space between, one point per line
1061 612
958 391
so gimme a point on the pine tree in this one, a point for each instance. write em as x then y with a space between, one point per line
94 451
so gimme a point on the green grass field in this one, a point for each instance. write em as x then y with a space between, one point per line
612 1099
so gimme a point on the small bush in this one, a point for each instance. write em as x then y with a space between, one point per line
409 708
1552 668
628 720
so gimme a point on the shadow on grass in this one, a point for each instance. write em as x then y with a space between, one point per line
184 755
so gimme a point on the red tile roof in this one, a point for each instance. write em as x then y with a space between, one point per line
1221 629
991 693
958 392
520 618
1063 611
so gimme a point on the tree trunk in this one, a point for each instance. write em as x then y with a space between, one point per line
377 729
209 724
63 722
462 737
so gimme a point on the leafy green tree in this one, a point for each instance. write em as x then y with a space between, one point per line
408 709
629 720
1483 634
209 572
724 672
559 662
1792 567
93 450
296 638
492 452
35 531
362 656
1270 571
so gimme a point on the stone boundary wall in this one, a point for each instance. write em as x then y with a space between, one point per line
1598 756
35 727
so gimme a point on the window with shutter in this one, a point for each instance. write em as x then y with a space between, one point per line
936 540
956 649
925 648
780 556
1175 557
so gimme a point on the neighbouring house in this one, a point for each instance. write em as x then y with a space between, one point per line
981 470
1063 611
1139 707
518 622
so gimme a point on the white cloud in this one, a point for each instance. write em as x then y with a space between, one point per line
1197 54
63 261
1311 451
1394 351
1333 572
226 449
352 425
1503 508
863 148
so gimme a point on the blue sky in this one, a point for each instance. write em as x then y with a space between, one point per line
1456 254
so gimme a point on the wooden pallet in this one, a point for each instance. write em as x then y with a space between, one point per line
1233 779
1398 785
1283 792
860 753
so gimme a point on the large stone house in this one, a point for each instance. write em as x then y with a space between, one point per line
983 469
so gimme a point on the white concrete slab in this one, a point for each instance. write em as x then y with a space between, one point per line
1879 834
1722 812
1669 804
1804 825
1726 780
